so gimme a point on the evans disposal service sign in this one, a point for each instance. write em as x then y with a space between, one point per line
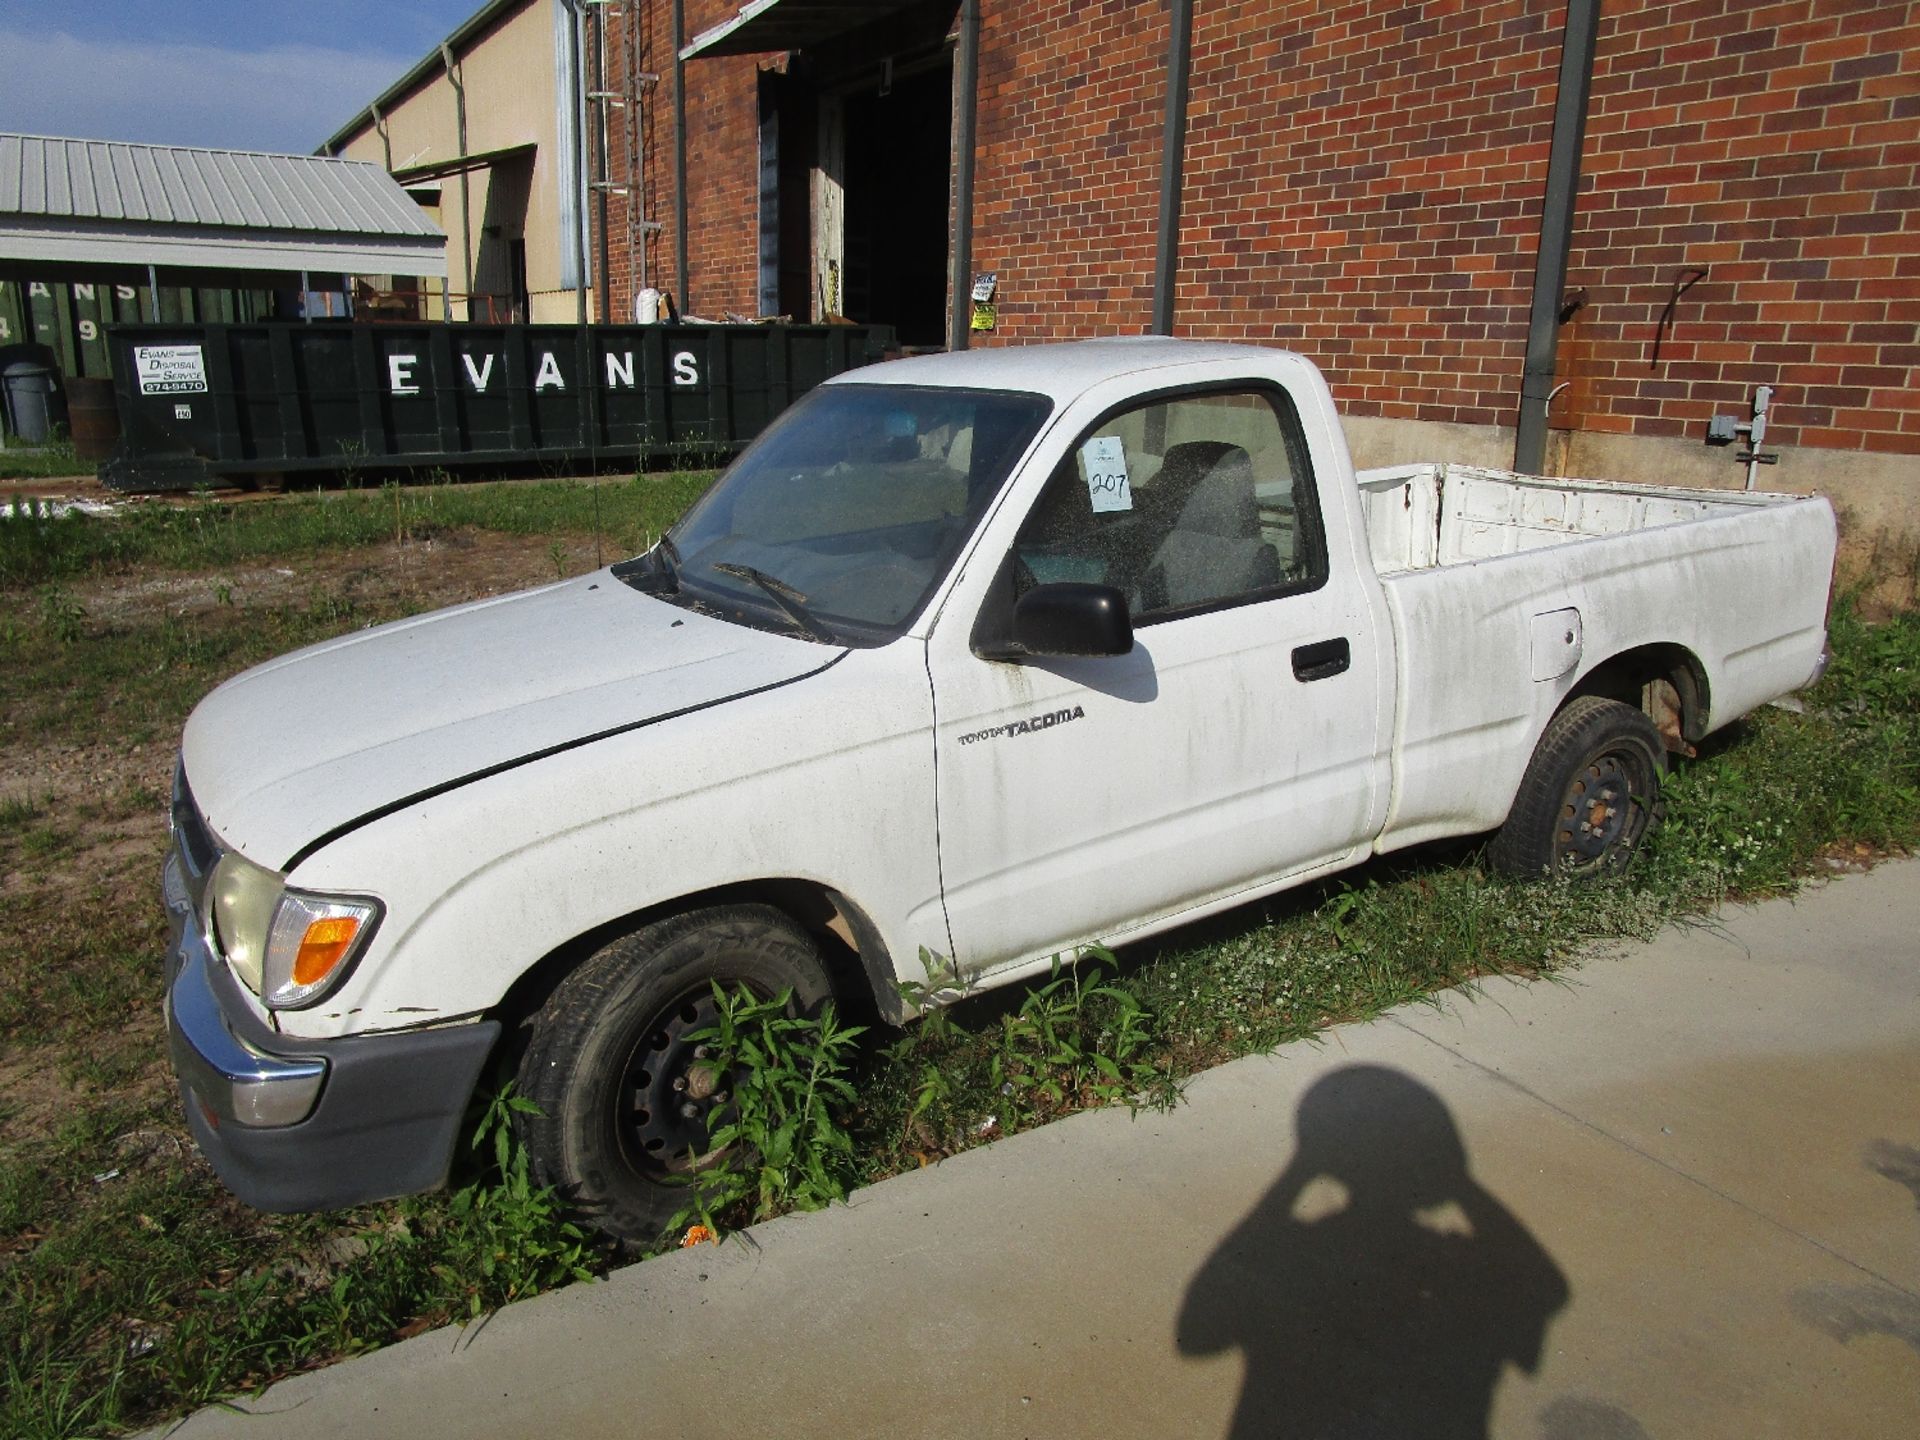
170 369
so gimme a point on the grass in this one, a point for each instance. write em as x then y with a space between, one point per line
132 1288
40 462
43 549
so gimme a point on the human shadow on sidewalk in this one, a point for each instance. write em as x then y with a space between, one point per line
1377 1290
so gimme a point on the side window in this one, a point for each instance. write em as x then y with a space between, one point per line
1183 504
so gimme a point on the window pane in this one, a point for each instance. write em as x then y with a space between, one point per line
1182 504
855 502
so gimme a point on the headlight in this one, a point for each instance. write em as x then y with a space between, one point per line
241 898
313 944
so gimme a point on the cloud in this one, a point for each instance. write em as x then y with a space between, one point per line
283 97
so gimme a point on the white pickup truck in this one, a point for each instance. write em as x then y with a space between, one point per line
968 661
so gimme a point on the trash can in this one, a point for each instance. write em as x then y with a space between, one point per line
32 393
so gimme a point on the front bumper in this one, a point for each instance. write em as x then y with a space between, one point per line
291 1124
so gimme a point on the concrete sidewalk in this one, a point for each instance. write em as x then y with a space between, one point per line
1677 1197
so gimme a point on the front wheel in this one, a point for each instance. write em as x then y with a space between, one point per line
1590 795
624 1104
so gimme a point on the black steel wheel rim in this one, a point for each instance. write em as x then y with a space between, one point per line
1603 813
670 1098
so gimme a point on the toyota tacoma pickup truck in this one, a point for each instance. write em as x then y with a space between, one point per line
969 661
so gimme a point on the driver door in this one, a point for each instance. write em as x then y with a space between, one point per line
1081 799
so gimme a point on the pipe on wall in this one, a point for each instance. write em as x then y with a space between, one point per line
966 85
1556 233
459 85
680 153
603 285
1173 150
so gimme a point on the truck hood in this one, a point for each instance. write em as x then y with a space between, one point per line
303 746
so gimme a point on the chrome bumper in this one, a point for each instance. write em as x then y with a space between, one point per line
232 1081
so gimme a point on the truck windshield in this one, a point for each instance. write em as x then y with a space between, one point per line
838 522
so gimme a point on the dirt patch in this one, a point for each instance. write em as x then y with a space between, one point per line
442 569
51 776
55 772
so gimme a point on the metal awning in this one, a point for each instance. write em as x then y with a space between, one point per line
765 25
97 202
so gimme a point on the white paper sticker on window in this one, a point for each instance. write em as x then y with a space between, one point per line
170 369
1105 458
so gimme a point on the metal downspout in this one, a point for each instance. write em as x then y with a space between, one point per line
966 71
603 286
466 192
584 231
1173 148
680 153
1556 233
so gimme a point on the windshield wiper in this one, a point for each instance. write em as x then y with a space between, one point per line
784 595
666 557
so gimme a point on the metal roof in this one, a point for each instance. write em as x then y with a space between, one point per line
764 25
108 202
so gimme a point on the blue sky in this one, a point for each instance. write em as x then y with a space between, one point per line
270 75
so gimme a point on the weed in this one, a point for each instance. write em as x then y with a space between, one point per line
781 1144
61 616
16 812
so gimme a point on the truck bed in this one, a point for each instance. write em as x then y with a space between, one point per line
1435 514
1505 589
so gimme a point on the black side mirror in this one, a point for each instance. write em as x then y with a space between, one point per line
1066 618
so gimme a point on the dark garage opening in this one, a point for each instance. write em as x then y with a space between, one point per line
899 160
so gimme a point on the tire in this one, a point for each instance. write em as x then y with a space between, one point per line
1590 795
609 1066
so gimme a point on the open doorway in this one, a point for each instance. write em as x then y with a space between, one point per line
898 175
854 191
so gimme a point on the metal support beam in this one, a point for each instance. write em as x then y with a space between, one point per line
1173 154
680 154
966 71
1556 233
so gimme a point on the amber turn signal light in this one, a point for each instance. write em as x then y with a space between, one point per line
323 946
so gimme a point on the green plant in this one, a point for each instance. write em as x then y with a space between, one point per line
781 1144
61 616
1075 1040
504 1238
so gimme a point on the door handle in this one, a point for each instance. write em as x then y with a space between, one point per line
1322 660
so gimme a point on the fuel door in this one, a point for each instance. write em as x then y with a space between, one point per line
1557 639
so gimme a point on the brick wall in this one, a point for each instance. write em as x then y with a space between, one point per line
1067 163
1775 146
1364 185
1364 181
723 150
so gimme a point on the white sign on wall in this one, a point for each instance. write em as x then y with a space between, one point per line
170 369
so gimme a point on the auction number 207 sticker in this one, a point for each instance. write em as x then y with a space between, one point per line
1105 459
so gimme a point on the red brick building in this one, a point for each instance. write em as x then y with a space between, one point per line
1363 181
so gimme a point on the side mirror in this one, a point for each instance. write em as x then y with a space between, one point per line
1066 618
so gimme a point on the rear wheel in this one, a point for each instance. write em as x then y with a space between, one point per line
625 1104
1590 795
